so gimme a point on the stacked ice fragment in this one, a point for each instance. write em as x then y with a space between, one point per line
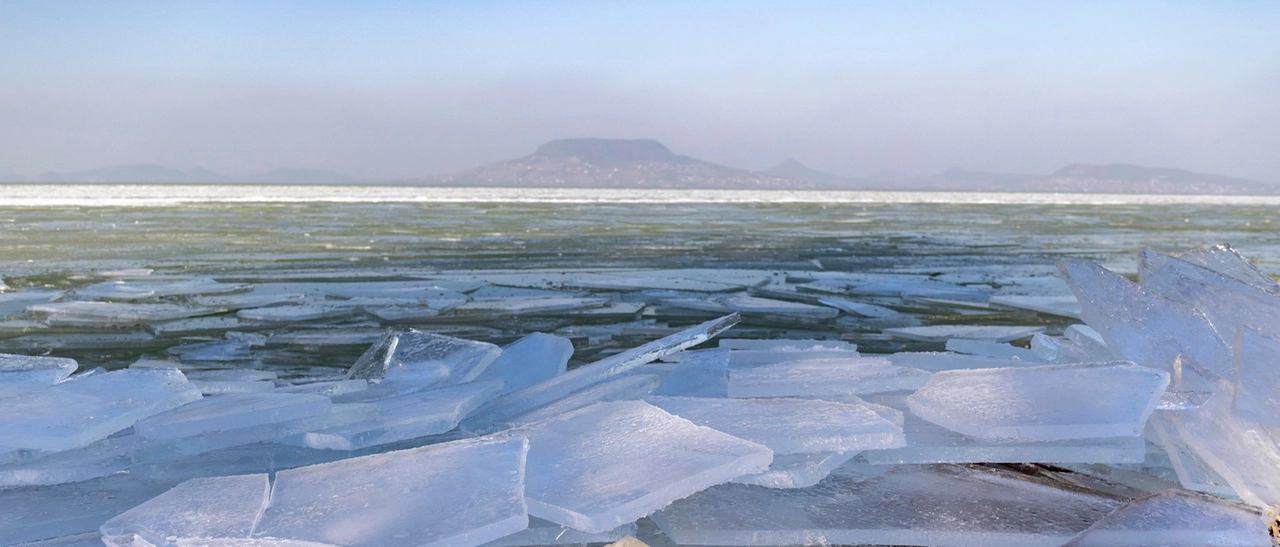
1153 423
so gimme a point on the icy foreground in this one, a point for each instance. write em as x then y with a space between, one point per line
455 423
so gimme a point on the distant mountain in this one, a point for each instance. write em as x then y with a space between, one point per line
794 170
612 163
119 173
301 176
155 174
1124 178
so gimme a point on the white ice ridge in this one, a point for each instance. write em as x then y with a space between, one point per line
790 426
612 463
1043 403
457 494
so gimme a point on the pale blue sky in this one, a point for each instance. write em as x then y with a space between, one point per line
408 89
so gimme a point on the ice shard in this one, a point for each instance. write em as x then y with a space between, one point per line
628 387
612 463
817 378
1175 518
121 313
34 370
908 505
942 333
530 360
1065 306
1226 261
700 374
1229 304
1043 403
790 426
220 413
1145 328
1244 454
524 400
858 308
408 416
423 359
1257 377
199 509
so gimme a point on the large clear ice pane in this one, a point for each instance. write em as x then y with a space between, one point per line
1044 403
627 387
405 417
612 463
768 306
199 509
790 426
220 413
530 360
1175 518
1257 377
818 378
909 505
1229 304
423 359
1244 454
42 512
1225 260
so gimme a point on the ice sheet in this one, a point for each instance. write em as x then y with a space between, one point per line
942 333
797 470
817 378
212 508
423 359
790 426
530 360
699 374
1175 518
409 416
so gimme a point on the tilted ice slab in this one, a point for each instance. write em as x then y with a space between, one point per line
1243 453
1143 327
232 411
1226 261
1175 518
1065 350
405 417
797 470
530 360
756 357
824 377
1257 377
756 305
612 463
942 333
1229 304
524 400
199 509
930 505
927 442
628 387
699 374
34 370
790 426
77 412
519 306
423 359
1192 472
1044 403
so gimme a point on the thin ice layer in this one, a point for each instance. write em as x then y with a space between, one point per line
424 359
768 306
1065 306
699 374
34 370
908 505
1176 518
1044 403
797 470
456 494
1142 327
942 333
77 412
817 378
1192 472
612 463
232 411
42 512
407 416
530 360
524 400
790 426
212 508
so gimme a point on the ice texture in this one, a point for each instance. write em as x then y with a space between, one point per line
232 411
816 378
34 370
1245 455
908 505
524 400
797 470
199 509
1142 327
700 374
1175 518
545 532
790 426
612 463
44 512
530 360
456 494
407 416
1066 306
424 359
1229 304
767 306
858 308
942 333
1225 260
992 349
784 344
1043 403
624 388
77 412
122 313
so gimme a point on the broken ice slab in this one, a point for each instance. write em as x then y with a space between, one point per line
927 442
231 375
402 417
757 357
1064 350
218 350
524 400
1086 336
34 370
817 378
931 505
199 509
699 374
330 388
133 290
1065 306
114 290
1043 403
326 337
15 303
1257 377
426 293
1228 304
941 291
231 411
423 359
529 360
992 349
122 313
545 532
790 426
766 306
708 305
456 494
41 512
236 302
623 388
197 325
91 539
612 463
1192 472
858 308
1243 453
394 314
935 361
1226 261
797 470
942 333
77 412
1183 400
524 306
291 313
1176 518
785 344
1142 327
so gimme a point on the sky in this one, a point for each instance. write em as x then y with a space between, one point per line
402 90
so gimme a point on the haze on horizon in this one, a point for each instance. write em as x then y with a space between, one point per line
396 90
